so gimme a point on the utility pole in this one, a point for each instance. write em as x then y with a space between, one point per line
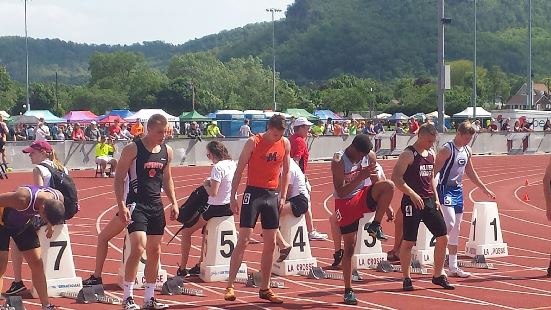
440 84
273 11
27 60
474 66
529 87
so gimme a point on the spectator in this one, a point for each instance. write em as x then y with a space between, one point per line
187 127
379 128
60 133
213 131
194 131
345 128
506 126
547 126
92 132
413 126
399 128
78 133
245 130
368 129
126 135
290 128
516 127
353 129
493 126
42 131
104 156
328 130
476 126
337 129
115 131
137 128
30 133
318 129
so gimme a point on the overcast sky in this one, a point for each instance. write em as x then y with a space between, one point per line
126 21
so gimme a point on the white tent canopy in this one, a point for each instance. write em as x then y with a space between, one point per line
468 112
383 115
144 114
435 115
4 114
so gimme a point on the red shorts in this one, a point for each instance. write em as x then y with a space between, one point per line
351 210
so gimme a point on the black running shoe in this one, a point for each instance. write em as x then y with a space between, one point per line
195 270
92 280
375 230
15 288
337 258
443 282
182 272
549 271
407 285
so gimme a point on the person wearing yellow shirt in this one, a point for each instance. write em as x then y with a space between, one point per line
104 156
318 129
213 131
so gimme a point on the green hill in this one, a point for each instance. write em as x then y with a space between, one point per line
320 39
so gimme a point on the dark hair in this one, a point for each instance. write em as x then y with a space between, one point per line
428 128
277 122
218 150
157 119
54 211
362 143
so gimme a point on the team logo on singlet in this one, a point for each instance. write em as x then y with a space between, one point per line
152 172
425 170
461 162
448 200
271 156
152 166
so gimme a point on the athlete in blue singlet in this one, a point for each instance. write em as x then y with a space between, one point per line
452 162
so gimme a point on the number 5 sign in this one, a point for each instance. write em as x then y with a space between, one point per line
57 258
485 236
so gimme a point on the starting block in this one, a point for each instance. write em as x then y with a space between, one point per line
367 251
220 240
253 280
92 294
57 258
318 273
386 266
479 261
294 231
423 250
13 303
139 282
175 286
485 237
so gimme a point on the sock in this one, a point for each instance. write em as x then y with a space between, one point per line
149 291
452 261
375 223
128 289
347 290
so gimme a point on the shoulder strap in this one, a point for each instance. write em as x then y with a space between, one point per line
52 172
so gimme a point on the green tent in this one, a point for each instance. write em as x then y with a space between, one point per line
193 116
301 113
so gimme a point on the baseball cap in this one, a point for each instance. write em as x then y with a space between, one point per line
40 145
301 121
93 122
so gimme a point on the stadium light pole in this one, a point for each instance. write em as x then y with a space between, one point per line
27 61
529 88
474 64
273 11
440 66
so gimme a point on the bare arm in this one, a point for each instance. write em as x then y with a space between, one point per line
337 169
285 174
405 159
547 189
441 158
212 189
241 164
434 185
373 162
37 177
168 185
471 173
128 154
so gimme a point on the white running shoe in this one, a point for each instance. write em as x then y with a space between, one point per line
153 304
315 235
458 273
129 304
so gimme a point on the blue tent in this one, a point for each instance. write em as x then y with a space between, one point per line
48 116
325 114
397 117
122 113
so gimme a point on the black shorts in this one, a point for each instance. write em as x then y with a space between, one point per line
299 205
148 218
25 238
2 146
259 201
433 218
208 212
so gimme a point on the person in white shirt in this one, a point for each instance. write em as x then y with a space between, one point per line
196 211
42 131
125 133
245 130
296 204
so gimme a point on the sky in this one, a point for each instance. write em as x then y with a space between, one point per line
127 22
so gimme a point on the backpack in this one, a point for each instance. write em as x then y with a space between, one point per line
65 184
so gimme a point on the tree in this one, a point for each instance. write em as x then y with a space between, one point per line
114 70
98 100
8 90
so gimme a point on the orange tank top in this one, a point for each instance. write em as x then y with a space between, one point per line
265 163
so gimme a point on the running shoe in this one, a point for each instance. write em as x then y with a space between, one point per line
153 304
92 280
375 230
15 287
350 298
443 282
270 296
337 258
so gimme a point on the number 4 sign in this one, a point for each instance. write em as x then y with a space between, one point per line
57 257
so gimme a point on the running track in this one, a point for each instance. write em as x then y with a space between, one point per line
519 282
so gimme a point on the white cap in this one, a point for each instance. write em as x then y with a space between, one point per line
301 121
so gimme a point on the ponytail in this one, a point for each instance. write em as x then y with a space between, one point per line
57 164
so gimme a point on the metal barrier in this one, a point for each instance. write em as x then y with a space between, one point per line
190 152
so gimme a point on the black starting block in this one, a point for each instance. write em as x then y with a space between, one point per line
386 266
175 286
318 273
255 278
14 303
92 294
479 261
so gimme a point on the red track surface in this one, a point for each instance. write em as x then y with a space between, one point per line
519 282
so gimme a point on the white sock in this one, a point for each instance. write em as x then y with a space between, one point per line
149 291
128 289
452 261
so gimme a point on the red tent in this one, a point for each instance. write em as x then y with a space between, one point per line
111 119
